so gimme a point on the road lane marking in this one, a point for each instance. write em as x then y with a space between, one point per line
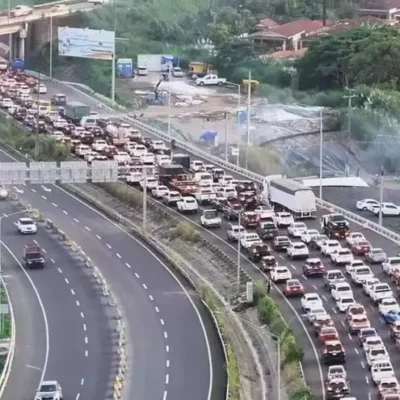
157 309
20 191
87 228
137 275
108 246
314 287
86 340
167 379
118 255
145 286
84 327
46 189
350 337
343 323
98 237
78 396
59 270
54 204
44 197
82 315
66 212
165 395
86 353
165 334
52 260
73 292
78 304
367 380
167 349
36 242
33 190
303 276
162 321
293 266
167 364
128 265
356 350
334 310
324 297
281 256
44 251
362 364
82 381
151 297
66 281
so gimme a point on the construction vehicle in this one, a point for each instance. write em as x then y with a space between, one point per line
199 69
254 85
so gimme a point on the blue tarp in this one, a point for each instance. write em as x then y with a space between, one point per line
209 137
18 65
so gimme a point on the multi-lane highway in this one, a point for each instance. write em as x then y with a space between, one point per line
63 330
174 348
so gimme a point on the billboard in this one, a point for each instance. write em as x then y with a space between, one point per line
86 43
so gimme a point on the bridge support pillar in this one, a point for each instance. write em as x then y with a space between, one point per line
22 45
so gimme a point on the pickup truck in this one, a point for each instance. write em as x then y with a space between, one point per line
204 196
133 178
210 80
187 204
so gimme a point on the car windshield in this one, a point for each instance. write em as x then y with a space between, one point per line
377 251
26 222
48 388
357 310
313 298
369 332
337 385
344 252
347 301
333 244
335 275
364 271
377 352
388 385
382 288
362 244
343 288
34 255
314 263
337 217
334 347
320 238
294 284
336 370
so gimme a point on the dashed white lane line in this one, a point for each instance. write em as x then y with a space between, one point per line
36 242
78 396
66 213
293 266
98 237
157 309
52 260
78 304
162 321
350 337
54 204
145 286
342 322
86 353
165 395
59 270
324 297
151 297
314 287
87 228
334 310
82 315
362 364
44 197
167 349
66 281
108 246
118 255
137 275
356 350
167 363
303 276
167 379
73 292
82 381
33 190
367 380
44 251
84 327
128 265
281 256
165 335
86 340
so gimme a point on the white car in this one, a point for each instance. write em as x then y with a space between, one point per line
342 256
297 250
336 371
368 284
354 264
21 11
150 182
89 157
376 354
197 165
354 237
380 291
26 225
380 370
315 312
249 239
139 151
279 274
343 303
389 304
311 300
6 103
133 177
99 145
122 157
41 89
49 390
157 145
264 212
24 90
187 204
390 264
341 289
387 209
361 275
328 246
308 234
60 123
59 135
363 204
296 229
82 149
372 341
159 192
210 219
282 219
148 159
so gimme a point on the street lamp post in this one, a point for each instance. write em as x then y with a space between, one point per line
381 196
349 96
248 121
51 48
169 99
321 143
10 34
237 119
238 255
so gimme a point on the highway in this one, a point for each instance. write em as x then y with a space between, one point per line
62 303
172 338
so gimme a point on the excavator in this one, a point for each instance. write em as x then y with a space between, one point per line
157 100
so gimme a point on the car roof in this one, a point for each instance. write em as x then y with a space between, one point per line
26 219
49 383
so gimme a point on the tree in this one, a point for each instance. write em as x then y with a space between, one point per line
369 55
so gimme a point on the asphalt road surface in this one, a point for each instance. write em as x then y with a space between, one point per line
175 349
72 316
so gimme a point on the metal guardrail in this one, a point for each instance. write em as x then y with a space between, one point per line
54 3
5 374
387 233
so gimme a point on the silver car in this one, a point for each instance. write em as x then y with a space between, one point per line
375 256
49 390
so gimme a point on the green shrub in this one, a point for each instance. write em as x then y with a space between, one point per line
187 232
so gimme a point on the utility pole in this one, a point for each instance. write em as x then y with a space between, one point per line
51 48
381 196
238 254
113 66
226 137
37 119
238 126
169 98
9 35
248 121
144 177
321 143
349 96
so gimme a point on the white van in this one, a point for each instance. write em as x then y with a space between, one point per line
88 120
204 177
380 370
142 71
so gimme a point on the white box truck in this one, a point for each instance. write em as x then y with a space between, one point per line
154 62
289 195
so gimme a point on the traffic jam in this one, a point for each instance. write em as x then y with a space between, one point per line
345 286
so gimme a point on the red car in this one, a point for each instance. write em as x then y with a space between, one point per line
110 151
313 267
328 333
293 288
361 248
249 219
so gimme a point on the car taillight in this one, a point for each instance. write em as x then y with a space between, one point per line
325 351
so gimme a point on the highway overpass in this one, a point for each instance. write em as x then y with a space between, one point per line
40 20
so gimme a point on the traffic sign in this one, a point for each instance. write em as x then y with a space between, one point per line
13 173
43 172
104 171
73 172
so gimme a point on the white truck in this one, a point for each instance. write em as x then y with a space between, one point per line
119 133
209 80
134 178
289 195
204 196
187 204
210 219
